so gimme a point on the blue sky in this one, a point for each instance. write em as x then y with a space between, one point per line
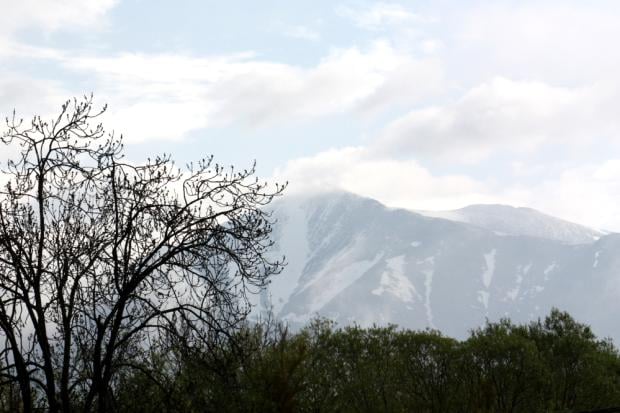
420 104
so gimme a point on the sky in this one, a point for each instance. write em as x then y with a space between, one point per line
426 105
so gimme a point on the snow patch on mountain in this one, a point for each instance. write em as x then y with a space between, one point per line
428 288
596 255
483 298
394 281
487 275
339 273
550 268
514 292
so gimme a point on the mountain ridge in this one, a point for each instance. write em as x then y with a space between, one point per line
354 260
509 220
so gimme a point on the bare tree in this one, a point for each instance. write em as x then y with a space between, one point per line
99 258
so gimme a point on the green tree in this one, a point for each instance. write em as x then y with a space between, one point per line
264 368
584 371
428 371
503 370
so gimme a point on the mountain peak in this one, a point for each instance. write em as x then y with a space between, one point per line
501 219
519 221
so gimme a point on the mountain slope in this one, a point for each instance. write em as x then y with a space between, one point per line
356 261
507 220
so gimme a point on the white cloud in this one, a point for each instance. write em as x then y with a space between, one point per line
504 115
430 46
525 74
44 17
303 32
587 194
28 96
378 15
175 94
11 49
396 183
50 15
565 41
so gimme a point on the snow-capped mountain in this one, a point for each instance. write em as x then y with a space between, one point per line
504 219
356 261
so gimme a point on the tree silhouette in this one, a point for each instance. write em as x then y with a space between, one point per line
100 258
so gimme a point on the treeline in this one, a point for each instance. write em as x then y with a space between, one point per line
552 365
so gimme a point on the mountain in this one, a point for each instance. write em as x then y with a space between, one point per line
508 220
355 260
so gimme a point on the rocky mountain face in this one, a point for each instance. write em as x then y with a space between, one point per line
354 260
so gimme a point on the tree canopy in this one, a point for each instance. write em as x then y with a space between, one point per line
551 365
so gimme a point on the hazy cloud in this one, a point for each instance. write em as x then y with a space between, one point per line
397 183
475 83
49 15
303 32
378 15
504 114
587 194
199 92
29 96
568 41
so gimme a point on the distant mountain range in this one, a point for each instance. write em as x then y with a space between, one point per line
355 260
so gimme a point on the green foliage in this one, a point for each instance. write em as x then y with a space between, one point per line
428 371
551 365
584 371
506 371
